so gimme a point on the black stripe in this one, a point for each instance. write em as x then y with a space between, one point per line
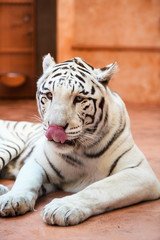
25 125
54 168
72 133
85 108
82 65
15 125
67 68
114 164
53 86
74 69
84 70
43 99
15 144
88 65
68 61
92 90
80 78
43 190
66 217
7 125
72 161
136 165
101 104
55 70
11 148
79 63
72 89
94 128
105 68
44 88
84 92
5 150
95 110
3 162
61 64
10 156
91 117
80 85
82 119
84 75
20 137
114 137
103 134
42 93
58 74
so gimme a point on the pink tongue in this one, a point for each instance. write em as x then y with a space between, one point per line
56 133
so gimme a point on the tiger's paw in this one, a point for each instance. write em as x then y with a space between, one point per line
12 204
65 211
3 189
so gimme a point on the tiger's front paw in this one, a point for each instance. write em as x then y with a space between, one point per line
15 204
65 211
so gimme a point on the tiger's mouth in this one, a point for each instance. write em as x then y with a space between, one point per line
66 143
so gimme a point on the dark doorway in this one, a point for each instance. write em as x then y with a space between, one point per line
46 30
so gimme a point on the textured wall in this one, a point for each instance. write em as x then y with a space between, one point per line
103 31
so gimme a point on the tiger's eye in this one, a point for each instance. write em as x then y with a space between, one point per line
78 99
49 95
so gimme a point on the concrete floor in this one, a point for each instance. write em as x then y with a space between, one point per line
141 221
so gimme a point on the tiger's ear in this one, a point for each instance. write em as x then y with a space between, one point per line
106 73
48 61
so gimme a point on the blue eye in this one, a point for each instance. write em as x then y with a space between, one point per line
78 99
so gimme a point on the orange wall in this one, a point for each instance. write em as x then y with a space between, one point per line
104 31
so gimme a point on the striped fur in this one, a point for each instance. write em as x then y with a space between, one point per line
17 141
99 159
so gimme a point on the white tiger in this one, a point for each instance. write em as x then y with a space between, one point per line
85 146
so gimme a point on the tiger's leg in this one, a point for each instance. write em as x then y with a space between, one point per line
24 193
124 188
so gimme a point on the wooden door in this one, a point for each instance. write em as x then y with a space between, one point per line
27 33
17 48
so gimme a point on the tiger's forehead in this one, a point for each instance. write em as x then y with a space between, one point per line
70 70
73 75
69 74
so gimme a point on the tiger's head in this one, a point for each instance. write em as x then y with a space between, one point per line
71 100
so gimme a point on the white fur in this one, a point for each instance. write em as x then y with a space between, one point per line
131 181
